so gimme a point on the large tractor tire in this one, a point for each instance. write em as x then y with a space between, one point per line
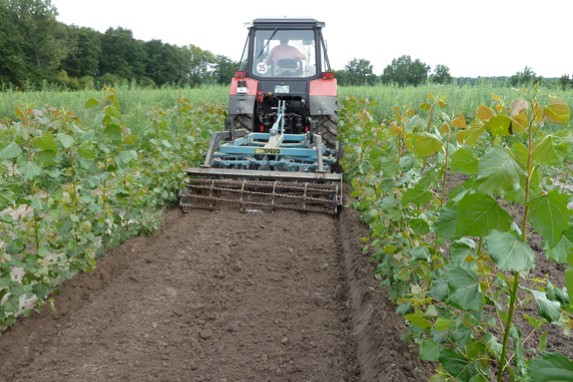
240 121
328 129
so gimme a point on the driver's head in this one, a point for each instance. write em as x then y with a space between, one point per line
284 40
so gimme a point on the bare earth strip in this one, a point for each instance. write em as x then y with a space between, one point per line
221 296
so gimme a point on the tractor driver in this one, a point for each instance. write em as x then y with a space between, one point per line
284 51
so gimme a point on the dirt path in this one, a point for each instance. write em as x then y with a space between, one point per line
221 296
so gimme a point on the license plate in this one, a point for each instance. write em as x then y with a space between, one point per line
268 151
282 88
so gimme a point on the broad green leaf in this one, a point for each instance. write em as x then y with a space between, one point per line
446 223
550 310
509 253
457 365
45 158
420 226
499 126
443 324
11 151
416 123
464 291
407 162
66 140
429 350
92 102
549 150
549 215
87 152
478 214
520 153
41 290
465 161
557 111
472 135
493 343
113 132
417 196
418 320
29 169
126 156
423 144
500 172
534 321
12 304
518 123
7 198
439 290
460 251
45 142
560 251
557 294
550 367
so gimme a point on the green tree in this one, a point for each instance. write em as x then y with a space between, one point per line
224 69
39 37
403 71
164 63
565 81
13 63
359 72
441 75
341 77
122 55
84 51
202 65
526 77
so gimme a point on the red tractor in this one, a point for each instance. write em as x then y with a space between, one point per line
279 148
285 59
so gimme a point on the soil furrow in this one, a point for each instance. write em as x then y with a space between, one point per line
220 296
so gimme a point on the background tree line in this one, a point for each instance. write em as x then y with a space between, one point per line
36 49
404 71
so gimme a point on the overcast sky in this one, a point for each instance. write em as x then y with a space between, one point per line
471 37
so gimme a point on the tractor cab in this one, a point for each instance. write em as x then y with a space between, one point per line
285 48
285 59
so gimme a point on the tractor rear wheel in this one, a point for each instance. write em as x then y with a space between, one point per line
240 121
328 129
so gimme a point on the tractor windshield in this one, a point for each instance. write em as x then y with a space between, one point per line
284 53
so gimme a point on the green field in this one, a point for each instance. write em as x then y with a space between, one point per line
136 102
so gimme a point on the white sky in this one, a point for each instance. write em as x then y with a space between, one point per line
471 37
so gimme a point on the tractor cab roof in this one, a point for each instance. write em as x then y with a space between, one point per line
286 22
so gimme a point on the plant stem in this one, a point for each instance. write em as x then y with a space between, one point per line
513 297
445 177
527 181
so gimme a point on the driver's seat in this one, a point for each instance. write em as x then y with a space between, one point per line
287 67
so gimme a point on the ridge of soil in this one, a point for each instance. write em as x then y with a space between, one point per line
221 296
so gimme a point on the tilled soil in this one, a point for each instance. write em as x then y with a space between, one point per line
221 296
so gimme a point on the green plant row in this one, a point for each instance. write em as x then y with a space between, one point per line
72 188
453 207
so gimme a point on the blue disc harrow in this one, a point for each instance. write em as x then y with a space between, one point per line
261 170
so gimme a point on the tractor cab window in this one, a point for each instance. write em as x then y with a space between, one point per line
244 57
284 53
